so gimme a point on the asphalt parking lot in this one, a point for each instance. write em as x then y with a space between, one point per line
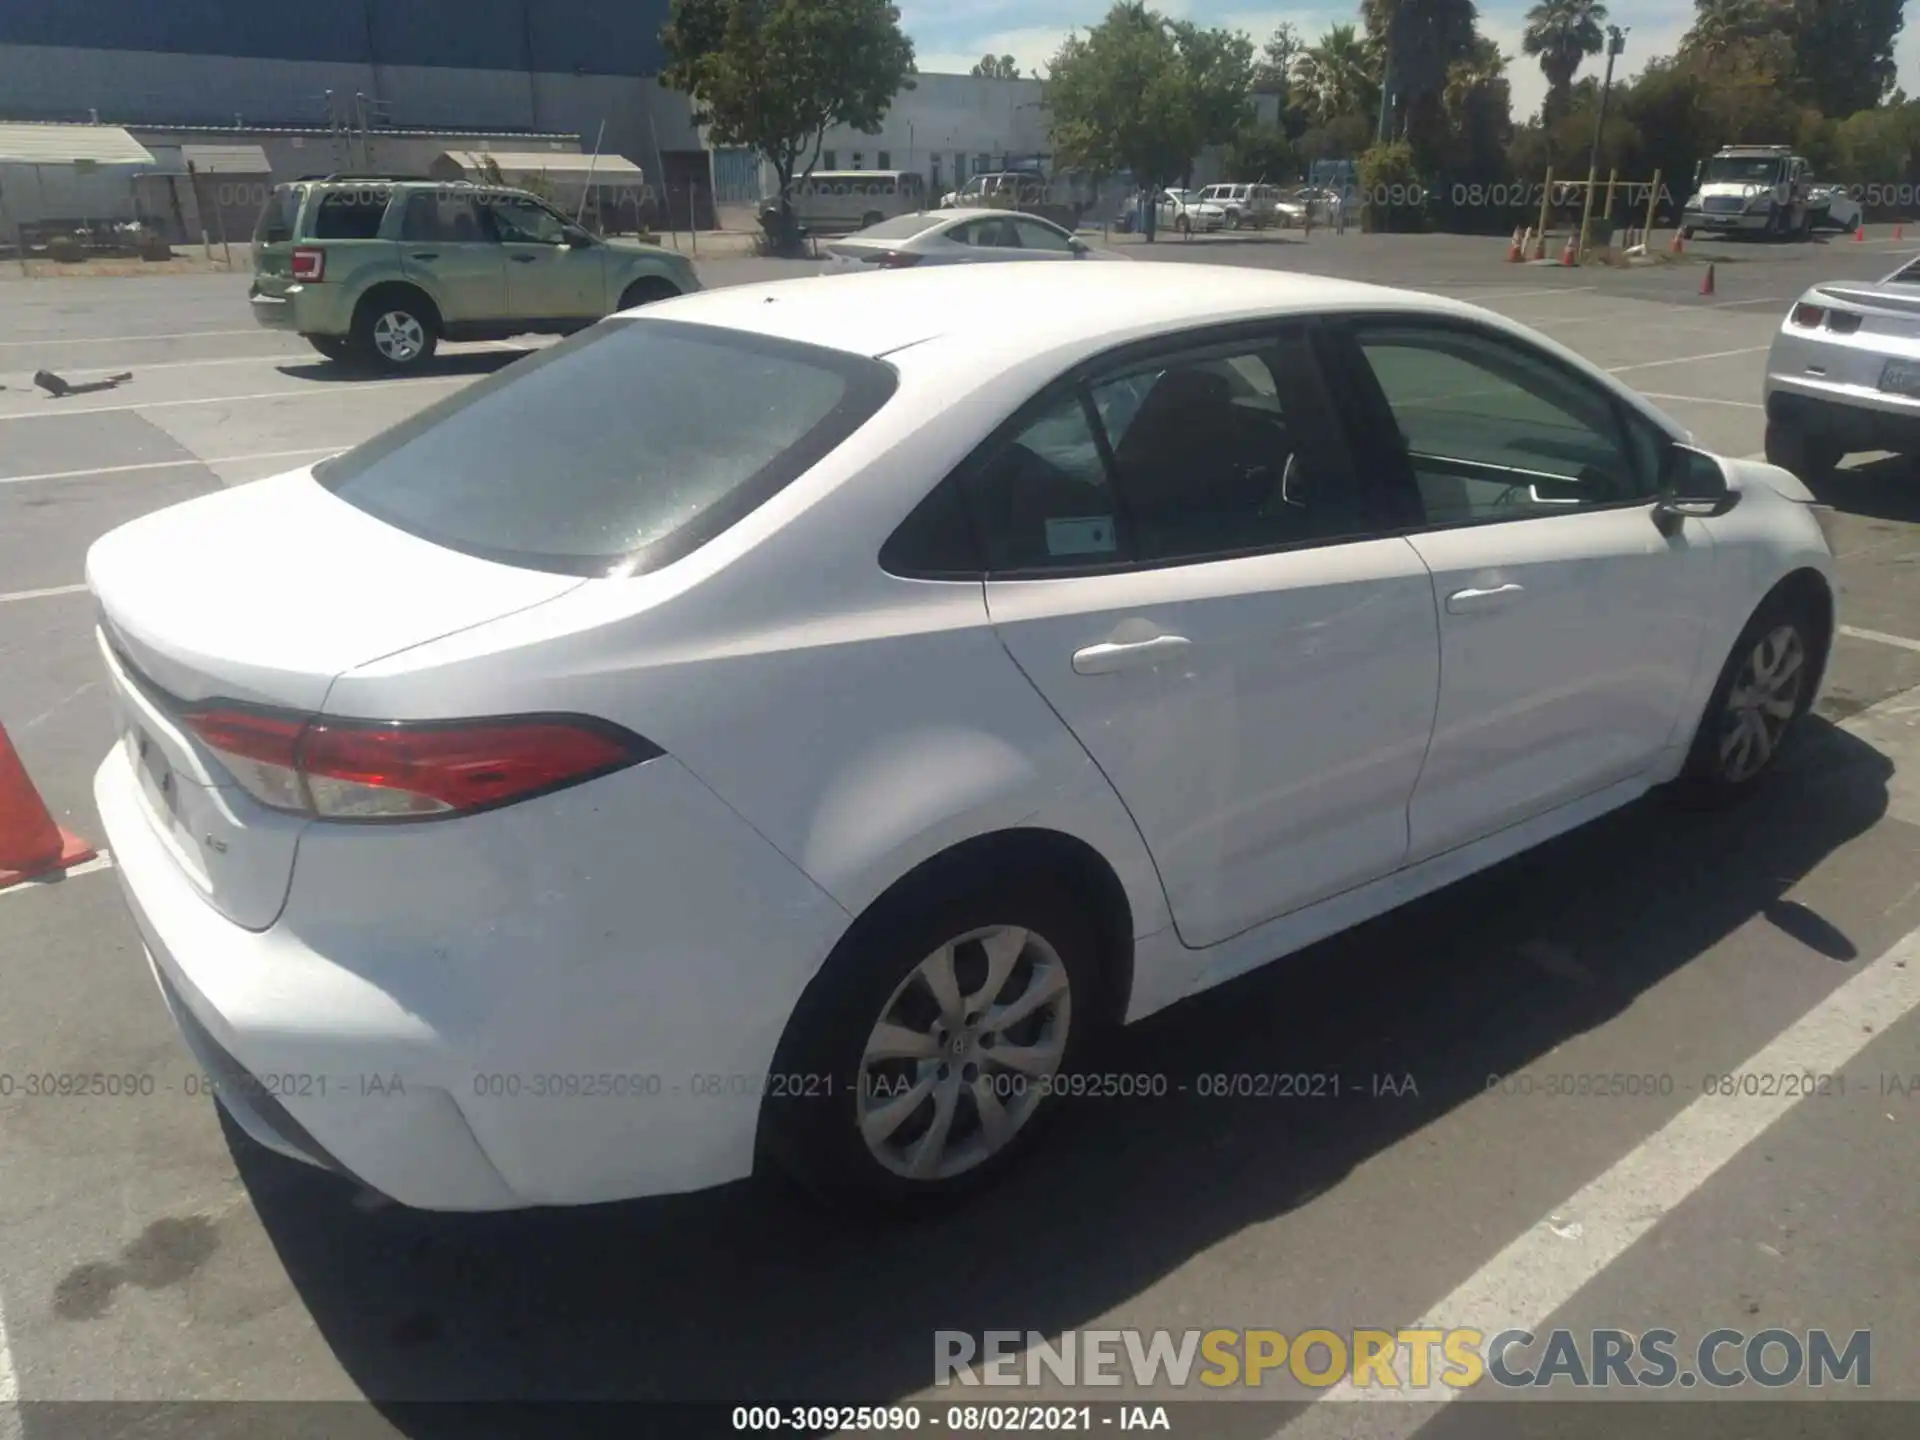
147 1255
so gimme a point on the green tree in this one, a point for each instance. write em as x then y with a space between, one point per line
1720 26
1562 34
1844 51
1274 69
1142 93
996 67
1418 41
776 75
1338 76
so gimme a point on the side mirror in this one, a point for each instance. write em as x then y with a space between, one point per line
1078 246
1694 484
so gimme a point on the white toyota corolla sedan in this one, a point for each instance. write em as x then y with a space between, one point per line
791 724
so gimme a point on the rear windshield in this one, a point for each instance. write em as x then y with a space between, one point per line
901 227
349 214
617 451
277 217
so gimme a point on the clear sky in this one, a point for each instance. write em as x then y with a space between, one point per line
950 35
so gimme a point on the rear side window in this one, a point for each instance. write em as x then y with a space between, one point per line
901 227
349 215
615 452
277 216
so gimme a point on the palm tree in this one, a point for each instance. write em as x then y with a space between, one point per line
1336 77
1721 25
1563 33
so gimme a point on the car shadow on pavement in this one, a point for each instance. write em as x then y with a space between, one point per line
1885 489
469 362
735 1294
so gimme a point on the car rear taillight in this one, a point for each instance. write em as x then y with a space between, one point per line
893 260
1843 322
1808 316
309 264
363 770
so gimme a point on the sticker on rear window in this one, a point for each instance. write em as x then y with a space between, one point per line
1086 535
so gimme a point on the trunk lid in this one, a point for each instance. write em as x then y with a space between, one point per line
273 240
262 596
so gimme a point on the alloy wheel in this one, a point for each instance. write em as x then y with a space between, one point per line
1762 703
399 337
964 1053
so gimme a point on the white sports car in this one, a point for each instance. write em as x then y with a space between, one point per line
792 725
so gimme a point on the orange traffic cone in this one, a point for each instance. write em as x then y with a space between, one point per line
1567 253
1706 285
30 843
1513 247
1679 246
1539 249
1861 233
1898 227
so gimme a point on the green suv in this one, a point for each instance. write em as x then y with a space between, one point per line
380 270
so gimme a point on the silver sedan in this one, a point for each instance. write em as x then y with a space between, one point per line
1844 374
956 237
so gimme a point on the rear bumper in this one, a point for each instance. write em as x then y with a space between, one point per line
303 310
1856 418
531 1008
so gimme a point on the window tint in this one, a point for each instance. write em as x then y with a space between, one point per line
277 217
1495 431
1042 501
1225 451
444 218
996 234
521 222
674 432
1037 235
349 215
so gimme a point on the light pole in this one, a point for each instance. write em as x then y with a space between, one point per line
1616 45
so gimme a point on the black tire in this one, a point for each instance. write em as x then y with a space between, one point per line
814 1138
334 347
1182 224
1233 219
647 292
387 313
1712 779
1808 455
871 218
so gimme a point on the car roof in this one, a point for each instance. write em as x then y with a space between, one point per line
1044 305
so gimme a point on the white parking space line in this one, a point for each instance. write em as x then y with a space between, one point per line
1879 637
1703 400
99 865
1688 359
9 1384
186 464
8 599
1484 293
125 339
306 393
1526 1283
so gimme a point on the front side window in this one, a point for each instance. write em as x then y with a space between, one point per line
1191 457
1229 450
674 432
519 221
1495 431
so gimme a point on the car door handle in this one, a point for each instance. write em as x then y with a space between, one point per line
1115 656
523 259
426 255
1465 602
